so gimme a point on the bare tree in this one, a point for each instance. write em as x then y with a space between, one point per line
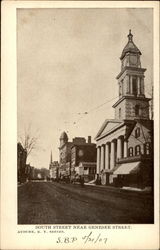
29 141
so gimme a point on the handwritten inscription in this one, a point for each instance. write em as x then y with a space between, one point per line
86 238
95 239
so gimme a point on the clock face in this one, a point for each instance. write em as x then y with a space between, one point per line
80 152
133 60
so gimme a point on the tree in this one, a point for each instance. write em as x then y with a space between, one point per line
28 141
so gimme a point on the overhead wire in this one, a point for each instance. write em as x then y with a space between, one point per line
93 109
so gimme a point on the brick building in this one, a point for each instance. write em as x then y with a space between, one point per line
83 159
124 144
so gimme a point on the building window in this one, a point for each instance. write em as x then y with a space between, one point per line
138 150
120 90
140 86
137 132
119 113
147 148
134 84
137 110
122 87
130 151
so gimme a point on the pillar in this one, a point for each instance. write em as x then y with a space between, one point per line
139 86
127 84
131 85
125 148
119 148
98 159
113 154
142 85
102 157
107 158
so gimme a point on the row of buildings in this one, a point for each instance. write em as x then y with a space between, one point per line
77 157
123 153
25 171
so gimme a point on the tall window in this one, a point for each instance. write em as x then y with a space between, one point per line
137 110
130 151
119 113
138 150
137 132
140 87
120 89
134 84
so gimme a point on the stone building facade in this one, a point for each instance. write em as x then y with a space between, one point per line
64 155
124 144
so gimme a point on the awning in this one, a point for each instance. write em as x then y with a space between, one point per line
127 168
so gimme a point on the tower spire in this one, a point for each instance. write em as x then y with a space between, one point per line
130 36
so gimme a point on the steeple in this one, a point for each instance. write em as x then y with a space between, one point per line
130 36
132 103
130 48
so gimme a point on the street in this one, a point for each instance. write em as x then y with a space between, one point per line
57 203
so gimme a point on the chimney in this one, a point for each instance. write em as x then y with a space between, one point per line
89 139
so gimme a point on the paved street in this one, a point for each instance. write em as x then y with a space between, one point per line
56 203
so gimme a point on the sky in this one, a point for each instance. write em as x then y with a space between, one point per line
67 63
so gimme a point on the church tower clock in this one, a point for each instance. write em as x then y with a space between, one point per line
132 103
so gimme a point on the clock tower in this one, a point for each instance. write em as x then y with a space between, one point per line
132 103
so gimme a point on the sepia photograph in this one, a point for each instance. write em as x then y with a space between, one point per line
85 116
80 125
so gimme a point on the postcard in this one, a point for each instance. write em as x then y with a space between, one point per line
80 125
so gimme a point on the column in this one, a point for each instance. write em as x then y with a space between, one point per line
127 84
119 148
125 148
98 159
107 158
112 163
131 85
102 157
142 85
139 85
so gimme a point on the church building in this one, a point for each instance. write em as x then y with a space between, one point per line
53 169
125 144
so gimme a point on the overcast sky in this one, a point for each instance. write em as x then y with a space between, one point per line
68 60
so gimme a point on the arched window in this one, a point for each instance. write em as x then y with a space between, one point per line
137 132
138 150
119 113
130 151
147 148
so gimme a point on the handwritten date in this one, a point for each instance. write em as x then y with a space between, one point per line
86 238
